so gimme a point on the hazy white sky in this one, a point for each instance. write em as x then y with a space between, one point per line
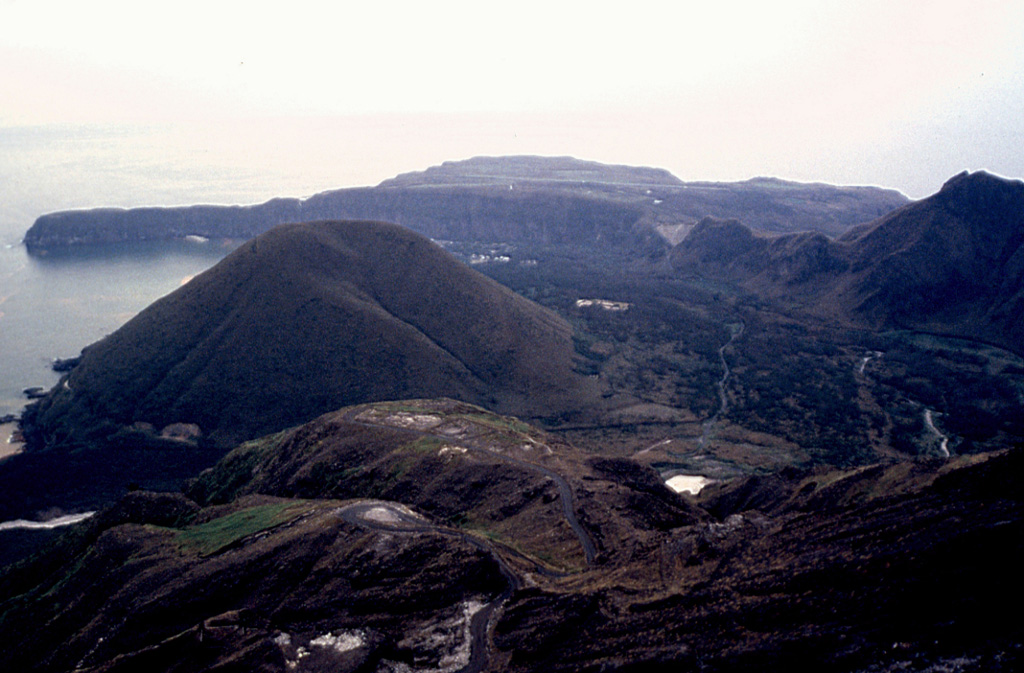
897 93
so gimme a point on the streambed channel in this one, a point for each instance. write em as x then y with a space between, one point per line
929 421
736 330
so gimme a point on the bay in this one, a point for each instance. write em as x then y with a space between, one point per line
51 306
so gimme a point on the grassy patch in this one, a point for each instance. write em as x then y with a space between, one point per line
211 537
425 445
400 407
499 422
484 532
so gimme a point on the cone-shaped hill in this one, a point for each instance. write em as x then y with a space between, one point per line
304 319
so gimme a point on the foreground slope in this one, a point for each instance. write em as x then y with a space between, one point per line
302 320
952 263
432 535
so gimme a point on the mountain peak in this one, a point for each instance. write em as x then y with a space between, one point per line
979 182
984 202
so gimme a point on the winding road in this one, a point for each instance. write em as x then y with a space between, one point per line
929 415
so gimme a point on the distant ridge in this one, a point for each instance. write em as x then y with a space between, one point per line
512 169
302 320
952 263
539 201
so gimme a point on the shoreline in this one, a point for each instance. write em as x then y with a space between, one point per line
9 446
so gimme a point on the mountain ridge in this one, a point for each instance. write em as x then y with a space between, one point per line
861 509
952 263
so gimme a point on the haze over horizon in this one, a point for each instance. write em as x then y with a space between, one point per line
897 94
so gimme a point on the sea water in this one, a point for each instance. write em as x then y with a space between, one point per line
53 305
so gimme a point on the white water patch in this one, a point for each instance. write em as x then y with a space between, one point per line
688 483
23 524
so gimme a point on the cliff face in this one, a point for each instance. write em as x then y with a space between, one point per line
466 214
524 200
115 225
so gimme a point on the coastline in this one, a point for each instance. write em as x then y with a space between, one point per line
9 443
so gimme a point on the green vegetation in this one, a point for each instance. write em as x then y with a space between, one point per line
797 562
214 536
428 445
792 378
503 423
254 345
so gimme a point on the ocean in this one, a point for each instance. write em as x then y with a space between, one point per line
54 305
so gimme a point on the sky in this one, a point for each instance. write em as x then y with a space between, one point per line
894 93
